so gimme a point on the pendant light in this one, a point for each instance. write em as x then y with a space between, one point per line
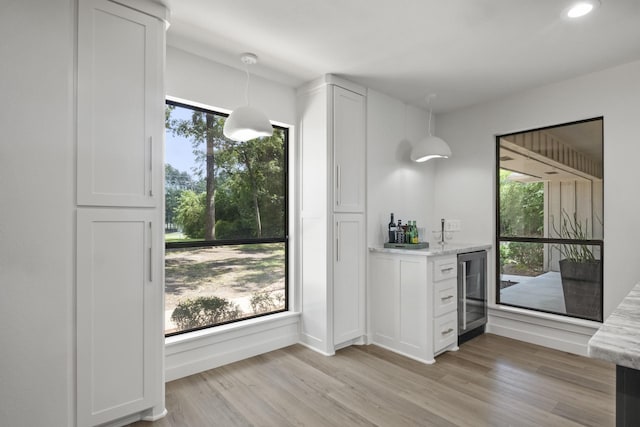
247 122
581 8
430 147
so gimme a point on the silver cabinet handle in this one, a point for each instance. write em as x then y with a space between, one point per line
337 241
150 251
151 166
338 183
448 331
446 298
464 295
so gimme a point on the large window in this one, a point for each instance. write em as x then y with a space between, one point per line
225 222
550 219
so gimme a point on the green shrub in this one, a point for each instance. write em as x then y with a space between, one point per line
266 301
204 311
521 258
190 213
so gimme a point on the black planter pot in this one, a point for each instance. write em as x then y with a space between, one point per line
582 288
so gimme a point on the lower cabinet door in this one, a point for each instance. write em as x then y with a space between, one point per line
116 323
413 313
349 278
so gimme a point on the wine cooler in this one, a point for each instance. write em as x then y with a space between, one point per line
472 294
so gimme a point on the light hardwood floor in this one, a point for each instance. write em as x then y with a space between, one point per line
490 381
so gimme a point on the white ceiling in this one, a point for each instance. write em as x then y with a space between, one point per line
465 51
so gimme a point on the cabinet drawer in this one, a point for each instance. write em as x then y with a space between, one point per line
445 331
445 295
445 268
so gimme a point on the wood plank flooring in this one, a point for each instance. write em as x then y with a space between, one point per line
490 381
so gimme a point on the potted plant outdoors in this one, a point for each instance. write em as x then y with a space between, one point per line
580 270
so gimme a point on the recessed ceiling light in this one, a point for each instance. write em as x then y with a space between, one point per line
581 8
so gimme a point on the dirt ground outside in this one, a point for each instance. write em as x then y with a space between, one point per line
231 272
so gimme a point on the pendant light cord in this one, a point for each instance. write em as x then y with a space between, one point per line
429 97
246 88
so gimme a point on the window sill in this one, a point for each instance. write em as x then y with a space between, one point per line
197 351
549 330
505 310
228 328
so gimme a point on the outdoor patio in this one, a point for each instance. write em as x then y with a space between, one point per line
543 292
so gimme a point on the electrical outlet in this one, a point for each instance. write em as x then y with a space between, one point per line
452 225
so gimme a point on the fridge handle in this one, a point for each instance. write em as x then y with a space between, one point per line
464 295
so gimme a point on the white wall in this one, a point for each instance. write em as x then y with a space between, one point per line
465 184
197 79
37 190
395 183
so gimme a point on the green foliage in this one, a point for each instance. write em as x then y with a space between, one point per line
253 174
521 207
175 183
244 179
266 301
190 214
572 228
521 215
522 258
204 311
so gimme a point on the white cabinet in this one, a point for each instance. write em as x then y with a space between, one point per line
331 135
119 260
117 321
349 278
413 304
349 148
445 302
398 297
120 96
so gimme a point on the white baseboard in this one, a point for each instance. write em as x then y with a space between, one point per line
155 417
199 351
557 332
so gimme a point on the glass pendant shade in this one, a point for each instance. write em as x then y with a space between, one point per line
430 147
246 123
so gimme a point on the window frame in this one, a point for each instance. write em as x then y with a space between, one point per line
498 239
244 241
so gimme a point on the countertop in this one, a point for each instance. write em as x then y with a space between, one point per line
436 249
618 339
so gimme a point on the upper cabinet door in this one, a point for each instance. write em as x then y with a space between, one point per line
349 151
120 106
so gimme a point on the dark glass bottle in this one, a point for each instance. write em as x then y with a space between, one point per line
392 230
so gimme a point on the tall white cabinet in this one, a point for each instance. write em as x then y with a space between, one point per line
119 268
332 114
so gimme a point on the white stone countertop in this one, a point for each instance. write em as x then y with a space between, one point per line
618 339
436 249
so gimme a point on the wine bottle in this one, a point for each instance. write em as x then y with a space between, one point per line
416 236
392 230
410 232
